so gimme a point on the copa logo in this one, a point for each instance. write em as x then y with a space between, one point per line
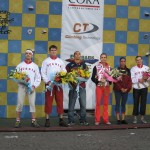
84 28
85 1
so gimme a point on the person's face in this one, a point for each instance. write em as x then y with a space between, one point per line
122 62
28 55
77 55
53 51
103 58
139 61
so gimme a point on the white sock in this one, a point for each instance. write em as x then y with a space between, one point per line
18 119
33 119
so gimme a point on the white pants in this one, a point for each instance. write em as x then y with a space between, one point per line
22 91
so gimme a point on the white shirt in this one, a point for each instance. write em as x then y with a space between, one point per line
136 74
32 70
50 67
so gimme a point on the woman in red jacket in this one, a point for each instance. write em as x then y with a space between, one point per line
121 90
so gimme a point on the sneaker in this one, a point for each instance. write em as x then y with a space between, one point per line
35 124
143 121
71 124
124 122
84 123
63 123
17 124
47 123
96 123
118 122
135 120
108 123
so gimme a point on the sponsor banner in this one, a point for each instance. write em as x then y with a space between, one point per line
82 30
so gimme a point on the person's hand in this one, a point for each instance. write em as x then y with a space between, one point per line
145 77
50 84
103 80
33 88
122 90
141 80
125 90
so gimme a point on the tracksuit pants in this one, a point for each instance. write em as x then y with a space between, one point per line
102 92
58 94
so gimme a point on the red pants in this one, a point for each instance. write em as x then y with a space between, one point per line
58 93
102 92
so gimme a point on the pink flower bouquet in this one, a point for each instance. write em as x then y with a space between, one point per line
113 76
145 74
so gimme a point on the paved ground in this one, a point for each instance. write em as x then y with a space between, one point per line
132 139
7 125
102 137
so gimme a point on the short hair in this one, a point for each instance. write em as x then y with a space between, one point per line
75 53
52 46
103 54
138 57
122 58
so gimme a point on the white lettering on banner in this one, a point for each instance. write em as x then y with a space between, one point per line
82 30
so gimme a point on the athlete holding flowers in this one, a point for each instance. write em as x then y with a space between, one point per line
31 72
50 67
78 88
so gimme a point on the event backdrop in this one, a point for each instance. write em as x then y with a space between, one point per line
82 30
37 24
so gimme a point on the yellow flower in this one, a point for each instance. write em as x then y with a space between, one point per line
73 72
82 73
62 73
87 74
18 75
63 80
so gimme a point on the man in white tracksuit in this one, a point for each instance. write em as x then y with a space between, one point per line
50 67
32 70
140 88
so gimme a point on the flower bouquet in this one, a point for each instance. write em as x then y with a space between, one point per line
83 75
145 74
57 79
113 76
71 77
21 78
60 77
78 76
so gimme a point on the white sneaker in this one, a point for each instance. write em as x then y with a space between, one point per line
143 120
96 123
135 120
71 124
108 123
